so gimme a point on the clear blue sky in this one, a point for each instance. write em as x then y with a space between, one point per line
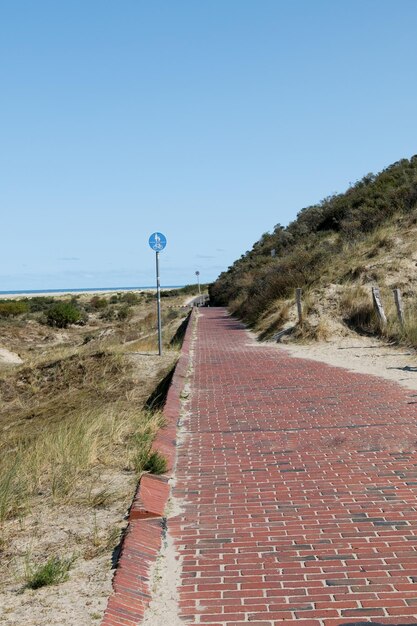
210 121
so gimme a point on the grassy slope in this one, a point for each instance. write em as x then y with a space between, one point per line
75 435
334 251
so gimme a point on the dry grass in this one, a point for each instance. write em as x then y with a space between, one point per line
356 309
307 332
75 436
58 463
283 316
405 333
335 269
385 257
63 417
272 323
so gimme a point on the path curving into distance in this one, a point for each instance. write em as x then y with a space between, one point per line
298 489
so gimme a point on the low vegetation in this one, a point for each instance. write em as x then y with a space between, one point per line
62 314
74 410
53 572
12 309
357 310
76 428
366 236
187 290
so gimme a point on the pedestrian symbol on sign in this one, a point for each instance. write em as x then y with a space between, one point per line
157 242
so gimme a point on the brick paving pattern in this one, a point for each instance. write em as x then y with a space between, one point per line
299 484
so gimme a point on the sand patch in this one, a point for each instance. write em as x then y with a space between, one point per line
89 535
365 355
8 357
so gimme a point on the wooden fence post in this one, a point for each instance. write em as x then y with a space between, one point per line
299 305
399 305
376 296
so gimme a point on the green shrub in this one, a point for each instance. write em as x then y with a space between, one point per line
53 572
108 314
170 315
62 314
300 254
156 463
130 298
183 291
11 308
40 303
171 293
125 313
97 304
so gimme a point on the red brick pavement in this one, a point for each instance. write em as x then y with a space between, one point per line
299 483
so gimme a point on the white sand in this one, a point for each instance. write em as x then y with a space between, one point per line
364 355
165 575
16 296
8 357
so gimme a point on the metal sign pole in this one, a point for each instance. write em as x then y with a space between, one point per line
199 290
157 242
158 300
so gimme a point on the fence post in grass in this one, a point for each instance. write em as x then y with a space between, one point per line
299 305
399 305
376 297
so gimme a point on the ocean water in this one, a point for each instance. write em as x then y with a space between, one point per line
82 290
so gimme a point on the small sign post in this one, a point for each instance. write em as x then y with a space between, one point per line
199 290
157 241
298 292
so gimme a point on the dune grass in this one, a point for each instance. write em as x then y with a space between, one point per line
54 571
68 416
76 432
357 310
76 409
57 465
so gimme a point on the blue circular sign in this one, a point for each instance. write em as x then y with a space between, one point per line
157 241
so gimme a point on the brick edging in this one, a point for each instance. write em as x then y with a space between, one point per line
131 593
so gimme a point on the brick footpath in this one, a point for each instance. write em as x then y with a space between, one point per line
299 484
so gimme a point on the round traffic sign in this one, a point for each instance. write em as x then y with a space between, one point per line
157 241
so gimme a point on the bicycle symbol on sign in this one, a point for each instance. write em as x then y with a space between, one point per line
157 242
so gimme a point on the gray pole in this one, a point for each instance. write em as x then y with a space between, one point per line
199 290
158 299
298 292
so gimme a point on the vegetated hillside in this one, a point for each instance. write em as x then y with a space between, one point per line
335 251
80 398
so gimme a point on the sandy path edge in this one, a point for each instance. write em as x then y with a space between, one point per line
365 355
148 532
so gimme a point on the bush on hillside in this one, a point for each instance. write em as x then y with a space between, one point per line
130 298
97 304
125 313
13 308
183 291
299 254
38 304
62 314
108 314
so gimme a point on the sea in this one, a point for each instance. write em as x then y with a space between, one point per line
34 292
